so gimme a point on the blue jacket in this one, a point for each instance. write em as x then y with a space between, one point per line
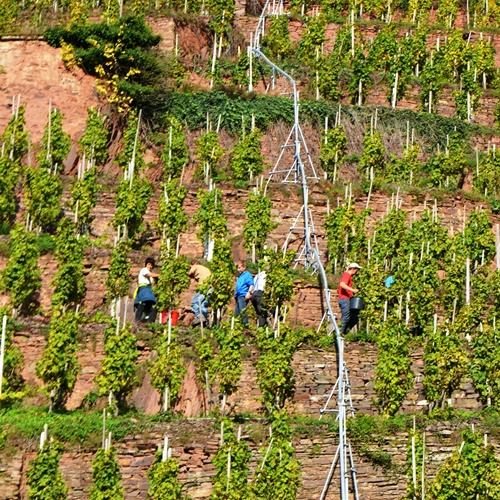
243 283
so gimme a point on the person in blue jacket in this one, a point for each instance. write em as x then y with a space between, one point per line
244 289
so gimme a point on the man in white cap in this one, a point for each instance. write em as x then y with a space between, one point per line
346 291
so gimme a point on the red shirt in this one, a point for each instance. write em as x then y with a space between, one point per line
343 293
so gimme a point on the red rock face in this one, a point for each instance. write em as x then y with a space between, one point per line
35 71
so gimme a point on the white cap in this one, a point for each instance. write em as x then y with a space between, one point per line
354 265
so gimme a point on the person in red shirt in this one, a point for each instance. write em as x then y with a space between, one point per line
345 292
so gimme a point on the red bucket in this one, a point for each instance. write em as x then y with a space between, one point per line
164 317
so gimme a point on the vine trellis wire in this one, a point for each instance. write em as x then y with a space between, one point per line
300 172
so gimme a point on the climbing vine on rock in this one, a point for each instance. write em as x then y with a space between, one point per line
59 366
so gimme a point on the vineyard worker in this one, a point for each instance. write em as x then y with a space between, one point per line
200 274
259 282
144 298
346 291
244 289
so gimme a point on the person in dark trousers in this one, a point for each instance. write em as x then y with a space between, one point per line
244 289
345 292
199 304
259 282
144 298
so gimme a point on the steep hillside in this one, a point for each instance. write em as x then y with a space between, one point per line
134 129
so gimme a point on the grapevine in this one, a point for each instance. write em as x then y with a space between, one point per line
84 198
393 373
21 277
59 366
94 142
68 282
280 284
231 463
227 365
175 155
163 482
106 476
333 150
13 362
246 160
118 375
15 137
45 481
172 219
274 367
278 473
471 472
445 363
168 370
117 280
209 154
258 223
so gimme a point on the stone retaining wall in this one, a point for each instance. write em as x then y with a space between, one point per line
194 442
315 372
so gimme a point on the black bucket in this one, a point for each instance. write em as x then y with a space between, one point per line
356 303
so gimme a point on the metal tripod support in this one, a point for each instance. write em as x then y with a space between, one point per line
343 458
309 256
